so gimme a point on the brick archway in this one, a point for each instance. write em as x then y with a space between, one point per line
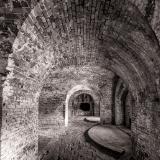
74 92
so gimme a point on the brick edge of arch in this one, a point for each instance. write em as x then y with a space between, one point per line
77 90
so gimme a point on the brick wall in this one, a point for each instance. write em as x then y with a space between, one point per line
145 128
19 132
51 107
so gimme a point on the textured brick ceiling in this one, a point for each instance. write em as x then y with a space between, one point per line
113 34
63 80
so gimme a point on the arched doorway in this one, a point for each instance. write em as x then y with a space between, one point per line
85 96
83 105
122 109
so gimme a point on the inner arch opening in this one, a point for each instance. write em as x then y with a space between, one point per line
83 105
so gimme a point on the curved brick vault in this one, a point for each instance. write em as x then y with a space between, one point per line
62 84
79 92
76 38
74 92
37 39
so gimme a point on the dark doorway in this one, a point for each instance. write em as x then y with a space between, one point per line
85 106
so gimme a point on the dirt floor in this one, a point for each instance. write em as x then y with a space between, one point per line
71 143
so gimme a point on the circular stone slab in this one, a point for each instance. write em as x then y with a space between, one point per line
111 138
92 119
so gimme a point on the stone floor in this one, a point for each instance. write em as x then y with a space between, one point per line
71 143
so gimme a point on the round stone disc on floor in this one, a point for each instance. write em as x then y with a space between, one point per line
111 138
92 119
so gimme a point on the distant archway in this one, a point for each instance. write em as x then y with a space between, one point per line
76 91
82 105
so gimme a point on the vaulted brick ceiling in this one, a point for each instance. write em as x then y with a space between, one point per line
61 81
62 43
112 34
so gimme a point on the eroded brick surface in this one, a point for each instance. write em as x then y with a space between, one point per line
40 37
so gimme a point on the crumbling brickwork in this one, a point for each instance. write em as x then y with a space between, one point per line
41 37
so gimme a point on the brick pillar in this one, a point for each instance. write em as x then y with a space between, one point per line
119 109
106 103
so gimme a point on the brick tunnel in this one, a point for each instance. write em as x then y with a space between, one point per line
57 55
